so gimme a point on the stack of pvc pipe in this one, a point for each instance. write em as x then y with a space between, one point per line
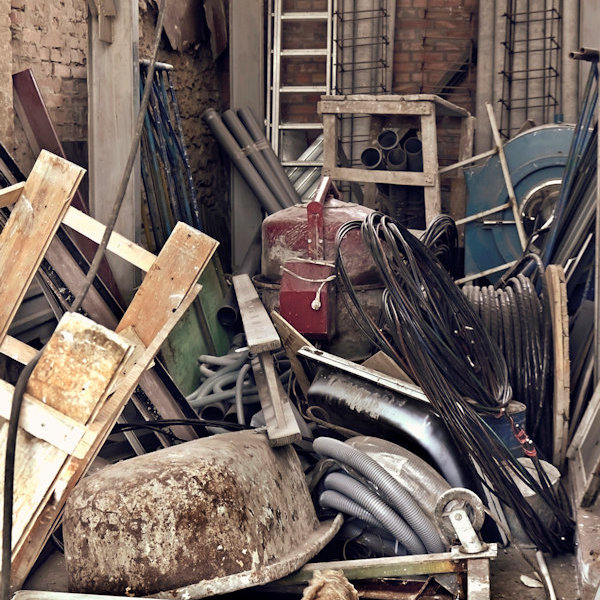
242 138
392 154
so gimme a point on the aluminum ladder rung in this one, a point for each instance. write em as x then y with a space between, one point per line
290 125
303 89
305 16
304 52
301 163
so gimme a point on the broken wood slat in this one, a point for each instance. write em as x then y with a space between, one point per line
478 579
17 350
173 274
57 377
91 229
260 332
38 461
30 228
557 294
41 421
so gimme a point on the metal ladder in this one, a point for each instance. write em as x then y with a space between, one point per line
276 53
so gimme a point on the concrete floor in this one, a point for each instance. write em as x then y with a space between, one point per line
506 571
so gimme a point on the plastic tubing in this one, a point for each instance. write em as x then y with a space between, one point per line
388 487
372 503
239 393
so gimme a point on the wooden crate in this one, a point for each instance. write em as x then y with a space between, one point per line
425 107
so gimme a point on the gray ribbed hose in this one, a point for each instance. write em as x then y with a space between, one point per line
373 540
372 503
391 491
343 504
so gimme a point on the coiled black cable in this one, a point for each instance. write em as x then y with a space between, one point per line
441 237
431 330
518 321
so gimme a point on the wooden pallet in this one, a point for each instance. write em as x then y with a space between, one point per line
74 398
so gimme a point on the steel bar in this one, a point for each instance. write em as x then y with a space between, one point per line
485 273
468 161
483 213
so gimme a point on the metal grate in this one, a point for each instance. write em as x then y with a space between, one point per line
531 72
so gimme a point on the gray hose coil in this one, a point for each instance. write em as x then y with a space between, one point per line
391 491
370 501
343 504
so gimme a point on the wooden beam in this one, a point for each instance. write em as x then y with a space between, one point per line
30 228
261 335
557 294
173 274
117 243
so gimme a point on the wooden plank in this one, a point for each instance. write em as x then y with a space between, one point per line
373 107
173 274
372 176
59 380
557 294
433 200
30 228
468 161
41 421
261 335
9 195
330 144
118 244
38 461
507 180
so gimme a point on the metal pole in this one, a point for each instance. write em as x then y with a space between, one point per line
512 199
597 254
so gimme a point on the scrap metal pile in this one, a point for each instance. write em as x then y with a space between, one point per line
368 406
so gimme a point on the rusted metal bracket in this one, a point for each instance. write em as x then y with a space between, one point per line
105 11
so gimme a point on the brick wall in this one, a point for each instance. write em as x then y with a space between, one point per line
51 39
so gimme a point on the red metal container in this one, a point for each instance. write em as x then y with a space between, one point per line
298 256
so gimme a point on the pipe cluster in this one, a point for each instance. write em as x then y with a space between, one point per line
241 137
367 491
393 153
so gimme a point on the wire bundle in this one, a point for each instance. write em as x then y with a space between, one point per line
517 322
433 333
441 237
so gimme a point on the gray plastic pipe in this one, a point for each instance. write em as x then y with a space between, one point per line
336 501
390 520
372 158
255 130
396 160
241 162
239 393
388 487
415 475
414 154
255 156
388 139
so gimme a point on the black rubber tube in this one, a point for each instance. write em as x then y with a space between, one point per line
255 156
414 153
255 130
241 162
